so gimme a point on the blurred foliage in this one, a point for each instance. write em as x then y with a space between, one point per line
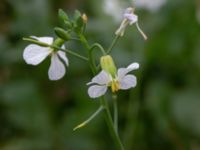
162 112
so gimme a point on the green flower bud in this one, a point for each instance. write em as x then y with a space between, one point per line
108 65
58 42
62 33
62 15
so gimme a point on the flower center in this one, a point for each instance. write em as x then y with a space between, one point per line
115 86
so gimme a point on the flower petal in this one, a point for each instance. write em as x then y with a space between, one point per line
34 54
63 56
129 81
97 91
48 40
123 71
133 66
102 78
131 17
56 69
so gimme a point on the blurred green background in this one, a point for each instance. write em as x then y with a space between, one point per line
161 113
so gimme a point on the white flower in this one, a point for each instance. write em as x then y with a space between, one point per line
129 19
103 80
150 5
35 54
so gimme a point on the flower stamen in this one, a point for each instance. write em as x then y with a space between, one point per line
115 86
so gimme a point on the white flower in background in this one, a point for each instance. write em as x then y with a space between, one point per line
151 5
129 19
35 54
120 80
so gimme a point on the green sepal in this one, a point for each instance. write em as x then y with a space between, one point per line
63 34
35 41
62 15
77 14
108 65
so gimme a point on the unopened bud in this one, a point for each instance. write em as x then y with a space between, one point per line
85 18
62 33
108 65
58 43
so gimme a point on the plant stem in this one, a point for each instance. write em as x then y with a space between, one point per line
89 119
111 125
104 103
113 44
97 45
70 52
90 58
115 110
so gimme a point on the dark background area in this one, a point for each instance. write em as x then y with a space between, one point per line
161 113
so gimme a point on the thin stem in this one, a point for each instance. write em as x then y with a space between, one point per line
70 52
113 44
103 101
90 118
115 112
97 45
111 125
90 58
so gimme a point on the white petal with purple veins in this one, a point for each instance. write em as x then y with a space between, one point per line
97 91
56 69
63 56
34 54
102 78
129 81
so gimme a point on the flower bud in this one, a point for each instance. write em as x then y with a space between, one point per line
62 33
58 42
62 15
108 65
85 18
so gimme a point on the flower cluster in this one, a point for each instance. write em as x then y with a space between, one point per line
108 77
43 47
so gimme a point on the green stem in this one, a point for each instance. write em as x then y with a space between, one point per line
115 109
97 45
90 60
89 119
69 52
103 101
113 43
111 125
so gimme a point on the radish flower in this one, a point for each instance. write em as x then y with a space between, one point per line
121 80
129 19
35 54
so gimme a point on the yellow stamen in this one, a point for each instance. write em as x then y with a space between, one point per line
115 86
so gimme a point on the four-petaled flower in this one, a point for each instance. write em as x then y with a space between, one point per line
35 54
122 80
